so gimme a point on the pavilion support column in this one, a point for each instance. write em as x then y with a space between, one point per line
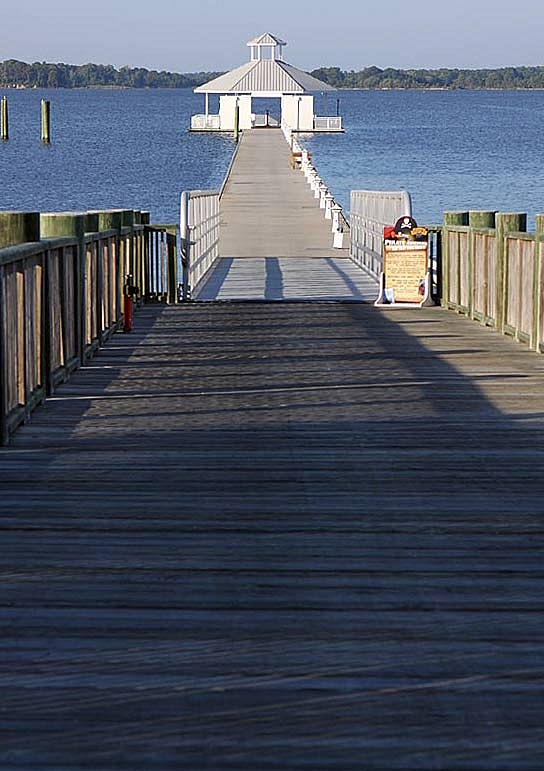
207 104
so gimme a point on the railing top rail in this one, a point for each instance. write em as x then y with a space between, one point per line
18 252
98 235
202 193
162 227
520 235
231 164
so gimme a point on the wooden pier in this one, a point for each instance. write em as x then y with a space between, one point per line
268 535
275 242
279 536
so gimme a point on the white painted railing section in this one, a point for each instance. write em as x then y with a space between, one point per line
199 232
370 212
205 122
333 123
331 209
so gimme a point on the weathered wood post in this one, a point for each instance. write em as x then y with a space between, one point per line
481 219
451 278
538 320
112 219
128 241
4 120
18 227
46 121
15 228
236 122
505 223
71 225
477 220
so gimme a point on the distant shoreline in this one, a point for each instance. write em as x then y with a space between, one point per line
15 75
5 87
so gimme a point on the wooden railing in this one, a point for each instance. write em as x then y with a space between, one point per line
493 272
62 296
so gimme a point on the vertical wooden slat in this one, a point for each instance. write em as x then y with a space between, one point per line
3 362
505 222
21 337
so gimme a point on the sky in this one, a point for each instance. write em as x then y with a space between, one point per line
210 35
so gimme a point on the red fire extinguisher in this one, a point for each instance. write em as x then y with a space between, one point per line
128 303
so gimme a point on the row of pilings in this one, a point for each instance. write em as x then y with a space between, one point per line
45 120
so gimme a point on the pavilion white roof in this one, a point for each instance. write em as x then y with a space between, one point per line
267 39
269 76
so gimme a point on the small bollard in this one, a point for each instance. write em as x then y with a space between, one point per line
322 193
329 199
335 211
338 240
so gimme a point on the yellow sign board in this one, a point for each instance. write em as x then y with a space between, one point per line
405 268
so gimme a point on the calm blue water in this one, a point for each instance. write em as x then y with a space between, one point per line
131 149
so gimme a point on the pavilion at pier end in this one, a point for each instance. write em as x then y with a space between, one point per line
266 77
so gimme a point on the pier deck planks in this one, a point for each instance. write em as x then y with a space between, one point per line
275 242
279 536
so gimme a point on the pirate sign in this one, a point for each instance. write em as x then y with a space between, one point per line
404 226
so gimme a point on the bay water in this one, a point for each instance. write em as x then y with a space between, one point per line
132 149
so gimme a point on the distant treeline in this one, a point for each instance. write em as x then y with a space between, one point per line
15 74
375 78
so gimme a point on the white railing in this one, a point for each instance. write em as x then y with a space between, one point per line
258 121
331 208
333 123
205 123
199 232
370 212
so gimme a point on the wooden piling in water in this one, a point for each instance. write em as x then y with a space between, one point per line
236 122
4 120
18 227
46 121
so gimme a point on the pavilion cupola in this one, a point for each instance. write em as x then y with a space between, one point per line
266 46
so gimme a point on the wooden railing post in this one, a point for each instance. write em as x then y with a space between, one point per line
481 219
451 219
477 220
505 223
112 219
71 225
538 322
128 222
138 254
15 228
18 227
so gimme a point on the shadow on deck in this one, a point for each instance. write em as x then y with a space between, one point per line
275 536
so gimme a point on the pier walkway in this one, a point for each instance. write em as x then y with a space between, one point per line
274 240
278 536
